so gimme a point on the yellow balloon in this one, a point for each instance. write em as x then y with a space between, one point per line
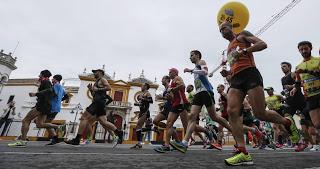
236 13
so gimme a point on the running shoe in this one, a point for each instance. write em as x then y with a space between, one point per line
162 149
18 143
300 147
279 146
115 141
255 145
272 145
137 146
315 148
73 142
262 147
239 159
217 146
179 146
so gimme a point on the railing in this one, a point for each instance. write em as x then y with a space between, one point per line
30 104
120 104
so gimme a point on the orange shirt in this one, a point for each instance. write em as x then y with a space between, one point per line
244 61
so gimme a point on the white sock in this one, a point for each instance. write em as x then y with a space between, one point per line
184 142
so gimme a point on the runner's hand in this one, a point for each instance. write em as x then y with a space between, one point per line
293 91
224 73
89 86
187 70
210 74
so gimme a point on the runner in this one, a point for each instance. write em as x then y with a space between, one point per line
59 95
40 111
246 79
97 108
204 96
145 100
308 77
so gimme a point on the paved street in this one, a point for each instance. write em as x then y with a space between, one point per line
37 155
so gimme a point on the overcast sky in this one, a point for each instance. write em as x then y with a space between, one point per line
66 36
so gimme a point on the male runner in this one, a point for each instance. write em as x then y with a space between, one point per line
59 95
308 76
246 79
145 100
40 111
97 108
204 96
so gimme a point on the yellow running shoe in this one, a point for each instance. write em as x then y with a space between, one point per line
18 143
239 159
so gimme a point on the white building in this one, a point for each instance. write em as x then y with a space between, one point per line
124 94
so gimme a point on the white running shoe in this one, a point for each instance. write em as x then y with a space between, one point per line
315 148
115 141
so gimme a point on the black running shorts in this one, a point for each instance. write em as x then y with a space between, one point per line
51 116
43 108
97 108
203 98
313 102
247 79
178 109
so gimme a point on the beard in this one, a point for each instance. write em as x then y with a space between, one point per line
306 54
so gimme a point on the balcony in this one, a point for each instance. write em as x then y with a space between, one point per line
120 104
8 60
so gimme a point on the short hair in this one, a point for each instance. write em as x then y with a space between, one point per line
46 73
197 53
191 86
305 43
57 77
221 85
148 85
286 63
166 77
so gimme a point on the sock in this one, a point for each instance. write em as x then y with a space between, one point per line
139 136
207 133
184 142
55 138
243 149
78 137
117 132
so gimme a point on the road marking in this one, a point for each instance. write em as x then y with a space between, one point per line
35 153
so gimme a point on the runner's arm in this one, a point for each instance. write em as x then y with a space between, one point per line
257 44
180 85
203 69
47 89
106 86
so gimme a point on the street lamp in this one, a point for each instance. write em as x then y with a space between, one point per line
76 109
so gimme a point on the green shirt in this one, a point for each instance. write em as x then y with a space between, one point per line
190 96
